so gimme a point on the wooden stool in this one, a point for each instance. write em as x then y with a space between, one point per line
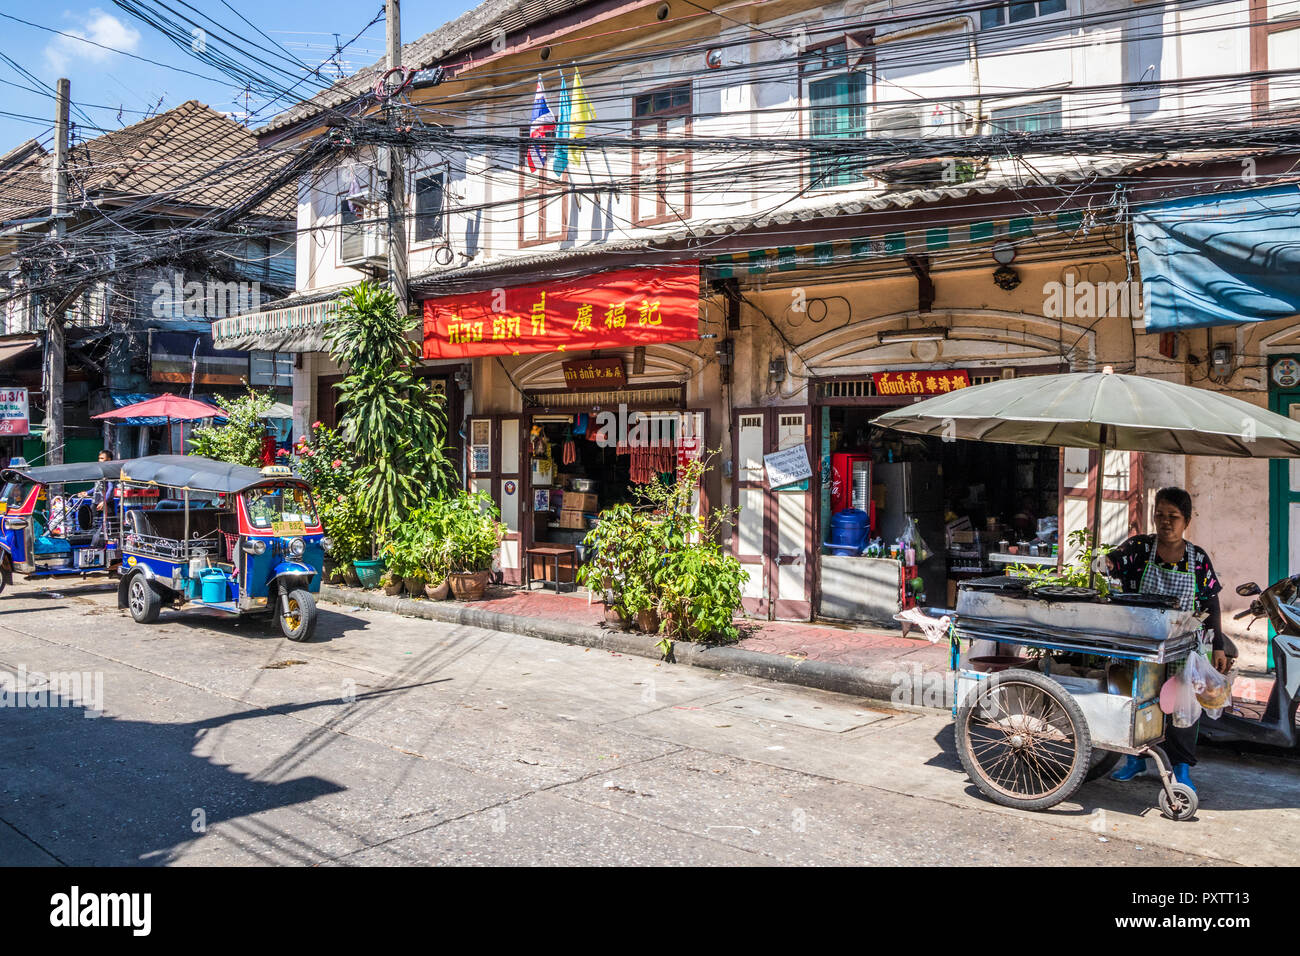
554 552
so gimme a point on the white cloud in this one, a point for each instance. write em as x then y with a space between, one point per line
99 28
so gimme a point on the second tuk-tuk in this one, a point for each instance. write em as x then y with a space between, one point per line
58 521
223 538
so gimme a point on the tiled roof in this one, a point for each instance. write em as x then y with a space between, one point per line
470 29
190 155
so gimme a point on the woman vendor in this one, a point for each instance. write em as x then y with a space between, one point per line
1165 563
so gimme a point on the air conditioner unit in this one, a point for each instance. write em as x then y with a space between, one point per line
923 120
363 246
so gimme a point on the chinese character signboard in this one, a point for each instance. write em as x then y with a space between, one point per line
591 375
13 411
607 310
921 383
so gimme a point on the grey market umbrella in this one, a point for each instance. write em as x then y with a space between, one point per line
1105 411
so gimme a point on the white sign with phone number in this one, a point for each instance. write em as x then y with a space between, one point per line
788 466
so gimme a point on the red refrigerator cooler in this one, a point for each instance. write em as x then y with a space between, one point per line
851 482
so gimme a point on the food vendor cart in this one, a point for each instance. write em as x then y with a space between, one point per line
1031 729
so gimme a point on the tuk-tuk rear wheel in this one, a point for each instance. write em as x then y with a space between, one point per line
143 601
298 620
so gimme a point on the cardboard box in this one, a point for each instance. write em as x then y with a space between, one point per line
580 501
572 519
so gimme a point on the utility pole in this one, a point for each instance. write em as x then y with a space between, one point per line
55 347
397 265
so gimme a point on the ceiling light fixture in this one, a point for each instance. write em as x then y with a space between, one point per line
931 334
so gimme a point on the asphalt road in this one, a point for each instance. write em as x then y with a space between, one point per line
388 740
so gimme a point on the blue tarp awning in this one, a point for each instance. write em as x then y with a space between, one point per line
130 398
1220 260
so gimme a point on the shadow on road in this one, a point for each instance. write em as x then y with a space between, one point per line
112 792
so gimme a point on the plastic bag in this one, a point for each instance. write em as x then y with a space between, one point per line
934 628
1178 699
912 537
1213 690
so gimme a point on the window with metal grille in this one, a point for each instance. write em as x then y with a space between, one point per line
1042 116
848 388
632 397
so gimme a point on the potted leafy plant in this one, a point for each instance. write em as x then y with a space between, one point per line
391 584
438 586
660 563
473 535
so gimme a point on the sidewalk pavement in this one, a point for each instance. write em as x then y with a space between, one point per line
860 661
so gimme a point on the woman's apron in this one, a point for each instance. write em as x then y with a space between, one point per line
1170 581
1179 584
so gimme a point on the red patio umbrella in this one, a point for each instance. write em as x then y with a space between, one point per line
170 407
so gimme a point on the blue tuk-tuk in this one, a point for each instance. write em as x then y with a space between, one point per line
222 538
58 520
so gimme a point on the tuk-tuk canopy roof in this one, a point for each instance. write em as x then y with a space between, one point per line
71 473
192 473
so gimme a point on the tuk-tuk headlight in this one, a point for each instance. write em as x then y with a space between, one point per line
296 547
17 523
327 543
254 546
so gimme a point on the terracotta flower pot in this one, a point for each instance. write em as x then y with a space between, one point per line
437 592
469 586
648 621
394 589
614 616
350 577
415 586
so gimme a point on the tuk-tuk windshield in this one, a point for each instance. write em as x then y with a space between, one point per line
270 505
14 493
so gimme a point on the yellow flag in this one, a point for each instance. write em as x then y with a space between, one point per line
582 115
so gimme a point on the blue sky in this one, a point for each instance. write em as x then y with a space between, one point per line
105 81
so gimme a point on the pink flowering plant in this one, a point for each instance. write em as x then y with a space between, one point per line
324 460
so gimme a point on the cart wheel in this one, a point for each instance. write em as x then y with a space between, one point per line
1023 740
1184 803
298 622
1103 762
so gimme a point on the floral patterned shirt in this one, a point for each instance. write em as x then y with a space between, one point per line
1129 561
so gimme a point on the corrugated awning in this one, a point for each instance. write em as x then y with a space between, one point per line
289 328
11 349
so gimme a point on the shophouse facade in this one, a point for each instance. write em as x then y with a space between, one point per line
828 286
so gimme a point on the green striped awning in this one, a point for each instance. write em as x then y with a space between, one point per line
289 328
926 241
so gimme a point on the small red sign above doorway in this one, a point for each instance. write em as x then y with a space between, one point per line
591 375
920 383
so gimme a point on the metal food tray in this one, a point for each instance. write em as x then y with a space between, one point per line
1135 647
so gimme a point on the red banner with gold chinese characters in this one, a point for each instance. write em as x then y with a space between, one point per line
607 310
921 383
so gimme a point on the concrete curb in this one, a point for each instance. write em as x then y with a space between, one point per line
901 684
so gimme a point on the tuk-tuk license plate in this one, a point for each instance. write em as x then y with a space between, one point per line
287 527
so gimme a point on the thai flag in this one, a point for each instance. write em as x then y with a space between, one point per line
543 125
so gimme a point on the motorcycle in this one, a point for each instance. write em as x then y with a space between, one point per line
1276 727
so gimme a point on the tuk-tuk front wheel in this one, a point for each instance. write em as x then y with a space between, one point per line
297 615
143 601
